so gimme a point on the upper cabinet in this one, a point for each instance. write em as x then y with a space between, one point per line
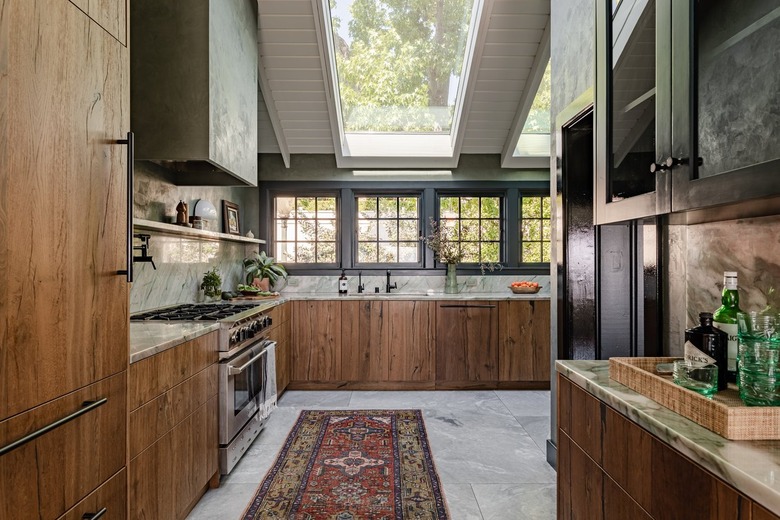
682 80
194 89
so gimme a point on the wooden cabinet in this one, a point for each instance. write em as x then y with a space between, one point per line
48 475
609 467
316 352
111 496
64 103
662 99
524 340
387 341
173 429
111 15
281 333
467 342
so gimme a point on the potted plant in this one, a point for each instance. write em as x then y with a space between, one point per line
264 268
212 284
447 251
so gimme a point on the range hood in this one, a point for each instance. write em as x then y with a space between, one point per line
194 89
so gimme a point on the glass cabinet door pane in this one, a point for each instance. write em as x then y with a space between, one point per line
633 107
737 84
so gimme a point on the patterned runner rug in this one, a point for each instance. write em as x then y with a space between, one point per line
352 465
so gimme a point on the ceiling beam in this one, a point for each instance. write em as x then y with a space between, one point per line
531 86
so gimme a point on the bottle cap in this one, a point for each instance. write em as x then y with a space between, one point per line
730 280
705 315
730 274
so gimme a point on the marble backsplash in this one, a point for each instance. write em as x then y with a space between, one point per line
181 263
412 284
698 255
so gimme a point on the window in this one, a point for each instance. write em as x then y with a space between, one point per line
388 229
476 225
305 229
534 230
534 141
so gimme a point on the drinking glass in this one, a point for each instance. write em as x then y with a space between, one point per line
758 365
699 377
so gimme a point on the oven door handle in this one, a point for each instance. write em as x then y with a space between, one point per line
232 370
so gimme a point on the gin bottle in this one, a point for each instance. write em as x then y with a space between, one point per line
725 318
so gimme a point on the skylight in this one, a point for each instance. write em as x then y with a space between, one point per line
399 69
534 140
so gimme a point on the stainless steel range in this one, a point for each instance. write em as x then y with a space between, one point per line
247 370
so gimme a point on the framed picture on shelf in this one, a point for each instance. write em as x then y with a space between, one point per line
230 223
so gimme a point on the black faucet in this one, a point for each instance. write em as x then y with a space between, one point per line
361 287
144 248
388 286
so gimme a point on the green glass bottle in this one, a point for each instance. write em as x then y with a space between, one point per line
725 318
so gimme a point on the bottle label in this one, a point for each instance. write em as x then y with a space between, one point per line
694 354
731 329
343 286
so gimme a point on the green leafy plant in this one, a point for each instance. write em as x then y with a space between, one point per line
212 283
260 265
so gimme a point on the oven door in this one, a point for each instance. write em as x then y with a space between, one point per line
243 387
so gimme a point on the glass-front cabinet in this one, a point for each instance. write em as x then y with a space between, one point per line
681 79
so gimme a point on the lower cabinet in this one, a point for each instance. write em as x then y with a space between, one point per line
610 468
524 340
466 342
47 476
316 352
110 498
173 429
281 333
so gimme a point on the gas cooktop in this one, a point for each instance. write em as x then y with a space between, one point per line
194 312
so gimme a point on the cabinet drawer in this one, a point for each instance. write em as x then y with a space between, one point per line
586 426
279 314
111 496
153 376
53 472
157 417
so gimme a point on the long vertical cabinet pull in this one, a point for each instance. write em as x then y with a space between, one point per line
130 142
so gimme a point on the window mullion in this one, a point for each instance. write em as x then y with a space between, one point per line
347 235
512 230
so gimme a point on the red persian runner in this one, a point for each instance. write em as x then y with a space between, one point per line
352 465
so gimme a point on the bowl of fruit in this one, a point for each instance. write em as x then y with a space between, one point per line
524 287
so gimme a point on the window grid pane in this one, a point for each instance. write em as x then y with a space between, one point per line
535 230
476 222
306 229
388 229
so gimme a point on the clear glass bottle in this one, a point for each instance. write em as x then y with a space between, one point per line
713 342
725 318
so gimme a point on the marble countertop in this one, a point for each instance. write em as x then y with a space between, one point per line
149 338
415 296
752 467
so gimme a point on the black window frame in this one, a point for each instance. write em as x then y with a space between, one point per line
299 195
541 219
502 204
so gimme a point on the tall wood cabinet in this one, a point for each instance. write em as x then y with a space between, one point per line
64 102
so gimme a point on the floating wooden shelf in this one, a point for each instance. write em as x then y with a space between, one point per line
192 232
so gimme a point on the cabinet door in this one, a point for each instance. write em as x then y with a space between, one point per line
281 334
633 109
316 352
726 102
467 342
64 100
524 340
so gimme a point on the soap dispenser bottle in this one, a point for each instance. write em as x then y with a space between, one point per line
343 285
714 343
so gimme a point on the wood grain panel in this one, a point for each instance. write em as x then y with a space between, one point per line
524 340
157 417
563 476
564 404
467 341
111 15
411 338
587 414
112 495
587 484
167 478
279 314
759 513
620 506
55 471
64 100
365 351
316 353
155 375
282 334
628 447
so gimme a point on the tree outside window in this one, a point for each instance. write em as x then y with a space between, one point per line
388 229
475 223
305 229
535 230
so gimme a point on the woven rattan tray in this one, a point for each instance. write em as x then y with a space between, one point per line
725 414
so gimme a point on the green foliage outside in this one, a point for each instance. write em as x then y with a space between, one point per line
538 121
535 229
395 68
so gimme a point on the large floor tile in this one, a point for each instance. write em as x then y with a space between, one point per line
538 428
226 502
461 502
253 465
518 502
440 399
313 400
524 403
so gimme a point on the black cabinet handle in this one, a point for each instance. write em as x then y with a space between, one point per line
94 516
130 142
468 306
86 406
671 162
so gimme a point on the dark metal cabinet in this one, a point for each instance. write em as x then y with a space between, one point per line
683 80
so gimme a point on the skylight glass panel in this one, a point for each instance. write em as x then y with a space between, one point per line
399 63
534 141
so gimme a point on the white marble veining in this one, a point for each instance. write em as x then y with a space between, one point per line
150 338
752 467
414 296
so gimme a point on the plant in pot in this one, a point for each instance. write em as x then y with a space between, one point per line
442 241
212 284
262 271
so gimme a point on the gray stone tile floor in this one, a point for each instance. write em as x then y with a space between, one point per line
488 447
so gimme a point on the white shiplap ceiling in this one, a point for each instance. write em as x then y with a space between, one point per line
512 49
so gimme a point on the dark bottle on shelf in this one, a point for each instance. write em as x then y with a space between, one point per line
343 285
713 342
